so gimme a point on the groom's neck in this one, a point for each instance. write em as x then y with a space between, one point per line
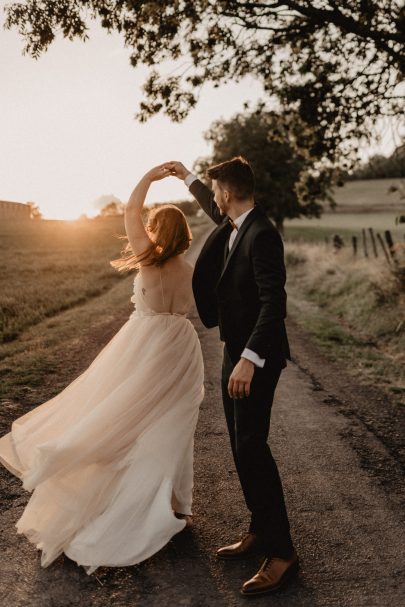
238 208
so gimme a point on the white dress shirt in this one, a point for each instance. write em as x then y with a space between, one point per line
189 179
247 353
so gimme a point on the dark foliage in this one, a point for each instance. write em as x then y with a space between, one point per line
337 62
290 182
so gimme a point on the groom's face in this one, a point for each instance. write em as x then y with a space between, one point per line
221 197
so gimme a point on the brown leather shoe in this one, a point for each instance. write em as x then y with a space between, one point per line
273 574
248 546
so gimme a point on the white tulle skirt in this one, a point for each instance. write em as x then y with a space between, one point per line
110 456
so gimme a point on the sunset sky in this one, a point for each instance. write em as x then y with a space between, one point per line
68 130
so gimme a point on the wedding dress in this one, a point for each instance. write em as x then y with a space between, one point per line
109 456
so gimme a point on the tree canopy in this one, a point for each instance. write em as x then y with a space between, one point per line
338 63
35 211
288 183
112 209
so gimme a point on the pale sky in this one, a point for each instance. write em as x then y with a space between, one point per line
68 130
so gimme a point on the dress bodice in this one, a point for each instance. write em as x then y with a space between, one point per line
159 293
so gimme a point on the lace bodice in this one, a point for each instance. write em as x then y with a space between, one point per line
163 290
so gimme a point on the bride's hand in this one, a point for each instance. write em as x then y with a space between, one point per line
159 172
177 169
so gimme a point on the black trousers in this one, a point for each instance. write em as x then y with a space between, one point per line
248 421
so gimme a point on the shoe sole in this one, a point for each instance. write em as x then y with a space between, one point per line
289 574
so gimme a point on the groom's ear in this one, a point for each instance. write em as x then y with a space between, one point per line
226 194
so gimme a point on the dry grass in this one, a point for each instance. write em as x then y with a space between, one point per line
51 266
355 308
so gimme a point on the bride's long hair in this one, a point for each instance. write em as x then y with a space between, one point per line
170 235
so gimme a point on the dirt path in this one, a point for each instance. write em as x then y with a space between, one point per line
339 460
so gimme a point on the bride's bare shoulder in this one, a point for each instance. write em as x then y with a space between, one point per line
179 269
178 263
175 268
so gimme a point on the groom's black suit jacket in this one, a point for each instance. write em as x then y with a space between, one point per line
244 294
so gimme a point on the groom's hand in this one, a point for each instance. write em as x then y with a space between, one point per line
240 379
177 169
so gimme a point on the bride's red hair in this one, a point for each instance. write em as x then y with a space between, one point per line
170 235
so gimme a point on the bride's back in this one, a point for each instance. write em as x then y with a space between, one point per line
167 288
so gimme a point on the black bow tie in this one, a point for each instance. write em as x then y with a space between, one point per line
233 224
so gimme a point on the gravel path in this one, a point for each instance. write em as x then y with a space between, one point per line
337 446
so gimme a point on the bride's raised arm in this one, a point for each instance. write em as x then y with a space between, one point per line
134 226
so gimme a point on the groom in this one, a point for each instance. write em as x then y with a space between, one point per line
238 284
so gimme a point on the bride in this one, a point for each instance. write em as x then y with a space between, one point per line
110 458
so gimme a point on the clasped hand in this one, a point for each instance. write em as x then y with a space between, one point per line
158 172
174 168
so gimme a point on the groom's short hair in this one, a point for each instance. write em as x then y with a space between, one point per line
236 174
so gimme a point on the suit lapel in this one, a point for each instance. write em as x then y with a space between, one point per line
242 230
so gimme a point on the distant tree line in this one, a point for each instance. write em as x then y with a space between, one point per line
382 167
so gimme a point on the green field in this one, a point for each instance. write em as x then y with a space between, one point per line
352 221
369 195
346 225
361 204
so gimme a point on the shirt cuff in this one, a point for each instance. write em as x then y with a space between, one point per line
189 179
253 357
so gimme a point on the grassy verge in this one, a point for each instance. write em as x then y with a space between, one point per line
50 353
354 309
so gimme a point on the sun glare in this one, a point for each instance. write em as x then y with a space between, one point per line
67 215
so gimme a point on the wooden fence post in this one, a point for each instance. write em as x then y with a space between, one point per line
364 242
390 243
384 248
371 231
